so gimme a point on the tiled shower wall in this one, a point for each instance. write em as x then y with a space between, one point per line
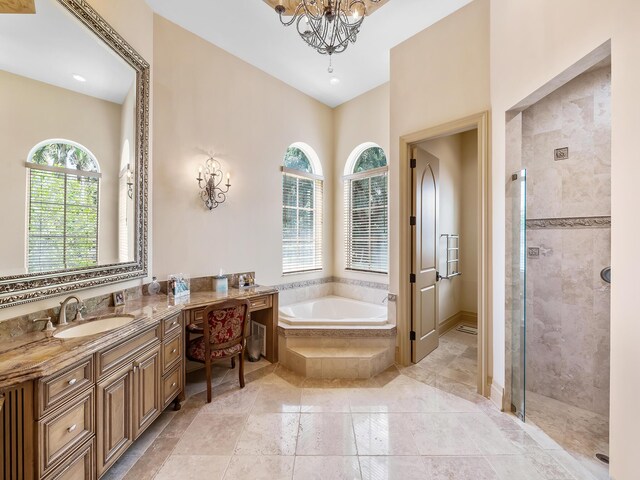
567 341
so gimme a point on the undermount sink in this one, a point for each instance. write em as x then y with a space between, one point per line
96 326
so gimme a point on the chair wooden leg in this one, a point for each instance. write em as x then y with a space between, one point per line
207 367
233 362
241 370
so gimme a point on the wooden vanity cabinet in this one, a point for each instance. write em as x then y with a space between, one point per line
132 397
147 403
75 423
17 452
114 406
128 400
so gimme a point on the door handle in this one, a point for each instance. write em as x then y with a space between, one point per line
438 276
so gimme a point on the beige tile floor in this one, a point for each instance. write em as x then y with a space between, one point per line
581 432
410 423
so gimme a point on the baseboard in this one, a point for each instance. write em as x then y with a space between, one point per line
453 321
497 396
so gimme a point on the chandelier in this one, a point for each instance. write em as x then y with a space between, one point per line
328 26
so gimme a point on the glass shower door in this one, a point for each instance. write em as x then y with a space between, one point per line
517 204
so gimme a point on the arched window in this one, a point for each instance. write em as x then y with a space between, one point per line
301 210
366 203
64 181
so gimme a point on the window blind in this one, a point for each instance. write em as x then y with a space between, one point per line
63 220
367 222
301 223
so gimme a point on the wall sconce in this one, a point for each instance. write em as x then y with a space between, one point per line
129 182
209 180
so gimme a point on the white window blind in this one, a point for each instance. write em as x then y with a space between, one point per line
63 219
301 222
366 221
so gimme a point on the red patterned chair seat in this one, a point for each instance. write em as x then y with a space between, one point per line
223 330
196 351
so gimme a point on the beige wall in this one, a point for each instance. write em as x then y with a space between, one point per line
457 214
361 120
207 100
437 76
521 62
133 19
469 223
40 112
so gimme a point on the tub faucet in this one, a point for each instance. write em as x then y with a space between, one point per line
62 319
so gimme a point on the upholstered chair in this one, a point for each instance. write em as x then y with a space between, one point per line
224 332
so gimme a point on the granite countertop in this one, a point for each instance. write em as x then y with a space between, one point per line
39 354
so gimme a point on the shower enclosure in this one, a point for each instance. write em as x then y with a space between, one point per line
517 198
558 239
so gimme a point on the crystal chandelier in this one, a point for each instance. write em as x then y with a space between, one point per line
327 25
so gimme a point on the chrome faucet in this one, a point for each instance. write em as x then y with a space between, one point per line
62 319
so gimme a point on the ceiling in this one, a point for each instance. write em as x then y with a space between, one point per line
52 46
251 30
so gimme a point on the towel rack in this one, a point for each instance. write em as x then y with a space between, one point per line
452 266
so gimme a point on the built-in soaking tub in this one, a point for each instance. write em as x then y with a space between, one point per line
335 312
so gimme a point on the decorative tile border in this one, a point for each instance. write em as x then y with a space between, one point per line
362 283
303 284
338 332
322 281
569 222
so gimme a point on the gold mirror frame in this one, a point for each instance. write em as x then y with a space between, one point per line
19 289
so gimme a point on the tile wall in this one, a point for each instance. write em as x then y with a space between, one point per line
567 303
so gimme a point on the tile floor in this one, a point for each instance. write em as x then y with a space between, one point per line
581 432
421 422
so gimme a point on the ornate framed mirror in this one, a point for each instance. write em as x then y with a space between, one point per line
75 133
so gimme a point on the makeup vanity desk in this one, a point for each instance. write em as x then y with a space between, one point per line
69 408
264 310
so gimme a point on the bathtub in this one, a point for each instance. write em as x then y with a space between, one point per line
333 312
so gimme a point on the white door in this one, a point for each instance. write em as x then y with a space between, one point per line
424 287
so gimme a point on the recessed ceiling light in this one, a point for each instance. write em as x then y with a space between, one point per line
334 81
79 78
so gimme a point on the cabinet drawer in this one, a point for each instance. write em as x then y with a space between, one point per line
260 303
56 389
63 430
172 352
80 466
172 384
114 357
171 325
197 316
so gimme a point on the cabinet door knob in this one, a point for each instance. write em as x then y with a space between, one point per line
72 428
173 384
73 381
174 323
174 350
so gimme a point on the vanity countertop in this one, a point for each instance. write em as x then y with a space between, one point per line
38 354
